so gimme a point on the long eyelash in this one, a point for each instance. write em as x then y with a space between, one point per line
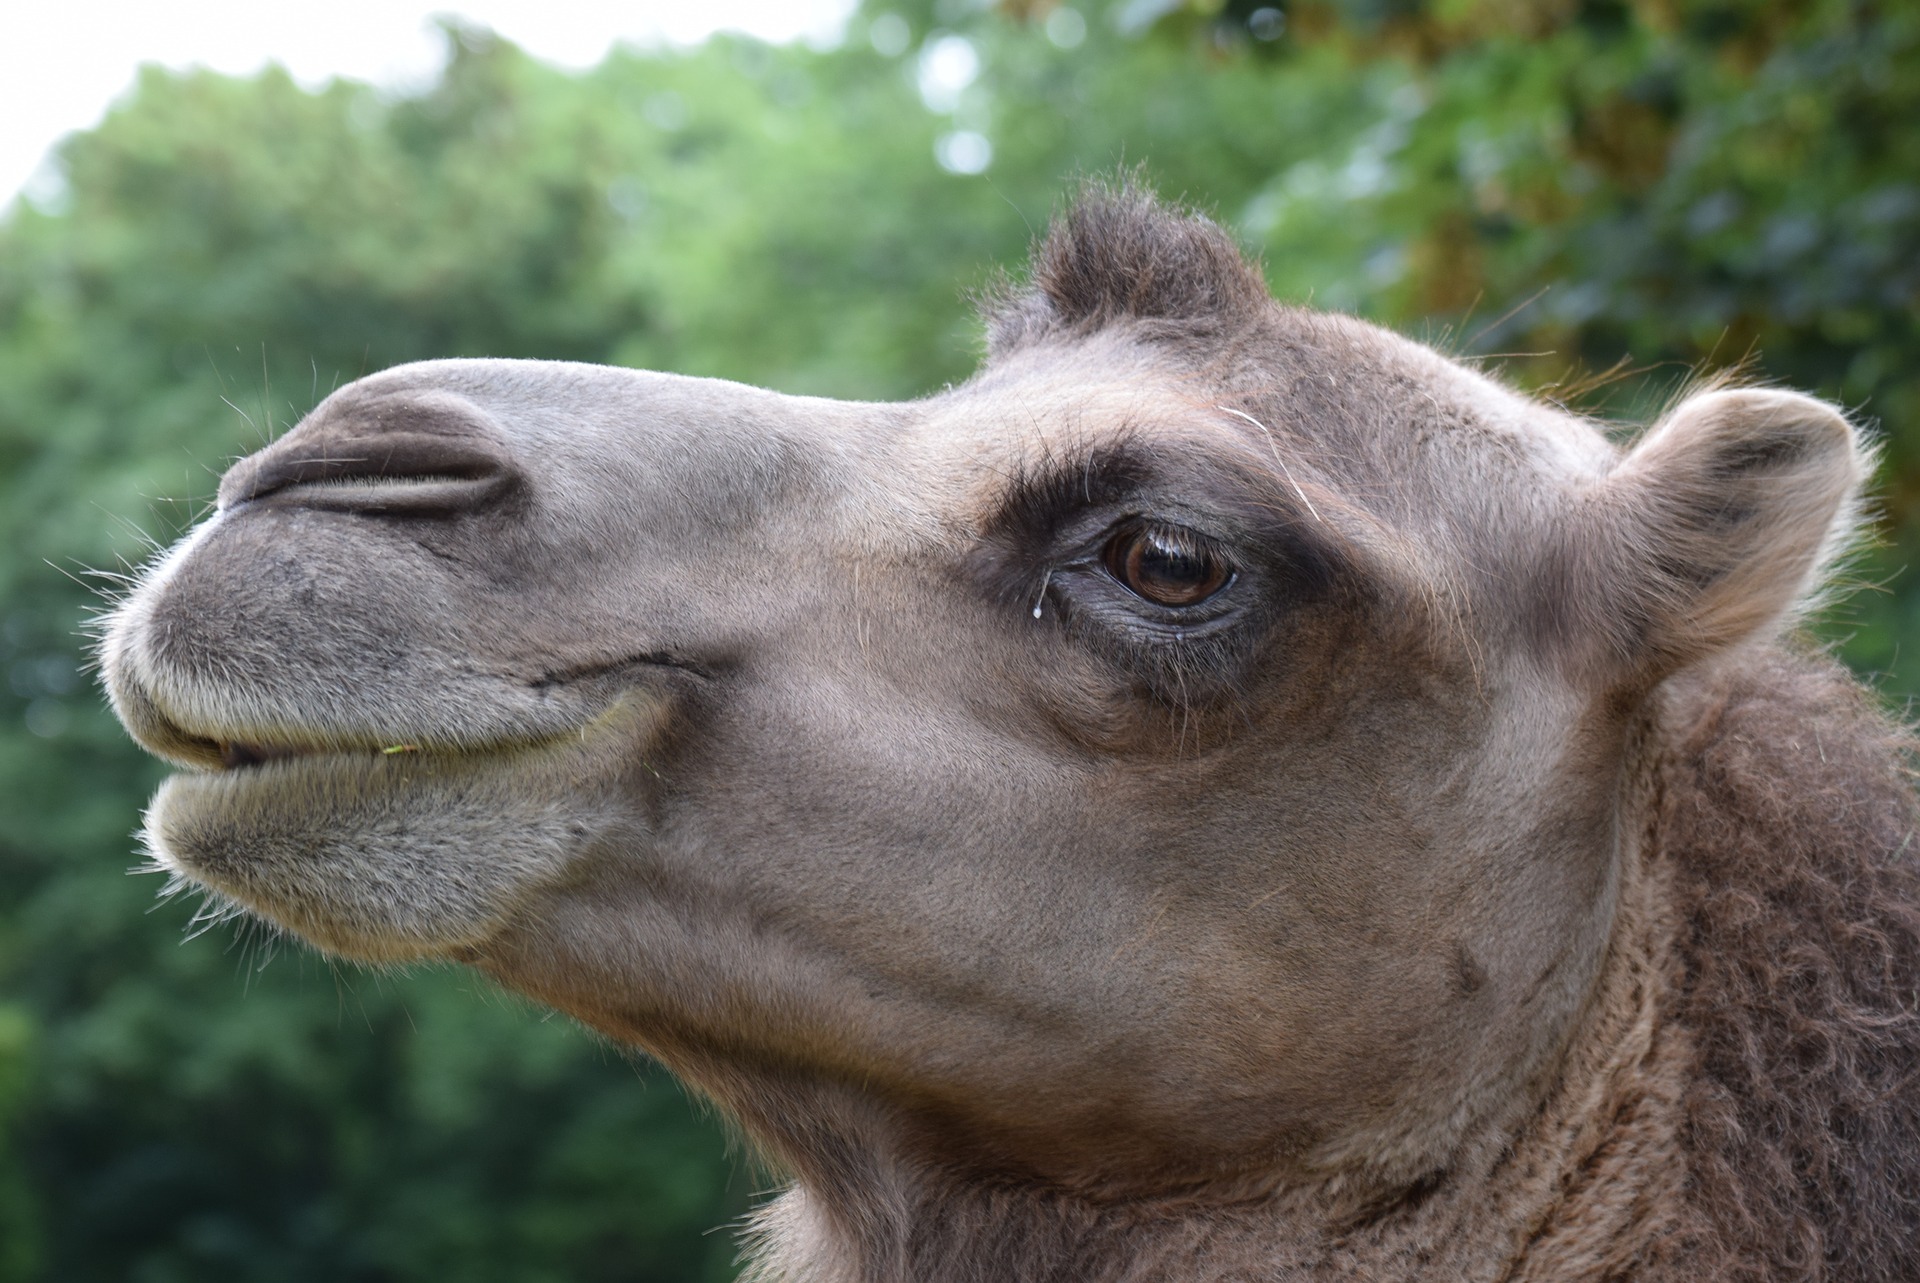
1043 494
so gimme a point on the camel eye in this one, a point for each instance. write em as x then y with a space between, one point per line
1166 565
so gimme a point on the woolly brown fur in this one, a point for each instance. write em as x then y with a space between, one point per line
1789 818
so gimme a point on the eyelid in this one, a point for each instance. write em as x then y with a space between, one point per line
1199 539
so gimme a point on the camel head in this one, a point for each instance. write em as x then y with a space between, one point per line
1195 752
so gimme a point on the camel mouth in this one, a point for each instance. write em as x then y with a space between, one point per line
263 763
236 755
396 849
244 755
199 750
220 755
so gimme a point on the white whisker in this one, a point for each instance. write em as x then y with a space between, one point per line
1275 447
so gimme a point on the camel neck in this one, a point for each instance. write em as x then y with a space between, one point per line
1586 1183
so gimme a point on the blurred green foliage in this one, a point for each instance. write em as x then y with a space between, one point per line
1550 186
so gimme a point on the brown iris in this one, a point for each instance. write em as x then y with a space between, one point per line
1166 565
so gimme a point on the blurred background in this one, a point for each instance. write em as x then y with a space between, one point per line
1596 198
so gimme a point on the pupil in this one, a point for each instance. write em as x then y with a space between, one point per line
1168 567
1165 561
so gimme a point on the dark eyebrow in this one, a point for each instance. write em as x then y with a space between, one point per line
1042 495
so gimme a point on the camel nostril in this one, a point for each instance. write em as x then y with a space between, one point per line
417 473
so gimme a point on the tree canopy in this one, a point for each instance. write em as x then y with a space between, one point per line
1601 199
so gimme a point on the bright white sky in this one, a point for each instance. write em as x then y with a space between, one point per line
62 62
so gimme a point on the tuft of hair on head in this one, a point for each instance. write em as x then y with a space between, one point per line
1119 253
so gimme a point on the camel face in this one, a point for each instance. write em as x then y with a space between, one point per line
1185 750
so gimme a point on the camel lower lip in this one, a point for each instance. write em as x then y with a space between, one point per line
300 839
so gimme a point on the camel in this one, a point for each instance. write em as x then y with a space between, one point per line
1225 793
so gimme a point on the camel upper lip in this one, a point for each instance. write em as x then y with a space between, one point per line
566 697
219 749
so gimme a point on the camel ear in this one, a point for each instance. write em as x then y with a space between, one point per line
1718 525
